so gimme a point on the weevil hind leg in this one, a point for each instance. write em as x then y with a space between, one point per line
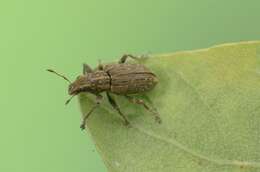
125 56
141 102
86 69
116 107
98 101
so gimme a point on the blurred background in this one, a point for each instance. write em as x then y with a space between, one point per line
38 132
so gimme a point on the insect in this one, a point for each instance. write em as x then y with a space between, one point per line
124 79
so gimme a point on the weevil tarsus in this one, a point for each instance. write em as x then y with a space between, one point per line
135 100
124 57
98 102
116 107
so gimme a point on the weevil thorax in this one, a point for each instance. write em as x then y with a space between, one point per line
82 83
95 82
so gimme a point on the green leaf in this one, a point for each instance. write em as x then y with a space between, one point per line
209 102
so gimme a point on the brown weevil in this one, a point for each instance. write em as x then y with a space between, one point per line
124 79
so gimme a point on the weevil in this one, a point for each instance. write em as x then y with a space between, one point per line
123 79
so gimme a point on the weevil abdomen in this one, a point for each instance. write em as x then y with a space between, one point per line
130 78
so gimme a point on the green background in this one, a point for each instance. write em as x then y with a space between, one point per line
38 133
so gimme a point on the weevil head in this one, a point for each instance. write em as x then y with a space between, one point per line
82 83
79 85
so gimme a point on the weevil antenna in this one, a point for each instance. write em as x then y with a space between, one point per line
67 102
64 77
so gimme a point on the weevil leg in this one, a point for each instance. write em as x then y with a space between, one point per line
100 66
86 69
124 57
98 101
141 102
116 107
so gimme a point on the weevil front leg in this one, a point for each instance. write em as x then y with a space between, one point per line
116 107
86 69
141 102
124 57
98 101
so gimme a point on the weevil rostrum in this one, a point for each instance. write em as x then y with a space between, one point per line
123 79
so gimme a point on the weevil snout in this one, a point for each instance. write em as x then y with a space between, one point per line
74 88
79 85
71 89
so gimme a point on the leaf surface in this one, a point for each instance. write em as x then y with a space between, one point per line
209 103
